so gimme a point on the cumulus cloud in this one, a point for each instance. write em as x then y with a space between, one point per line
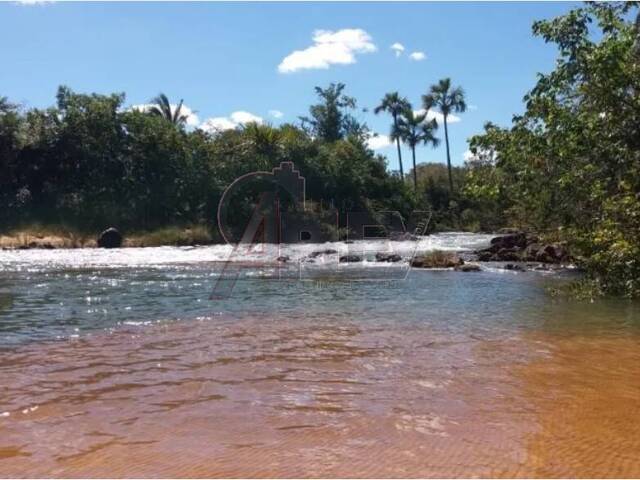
398 48
192 118
241 117
276 113
235 120
329 48
431 114
377 141
417 56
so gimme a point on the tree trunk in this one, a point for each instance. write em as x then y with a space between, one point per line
395 126
446 140
415 173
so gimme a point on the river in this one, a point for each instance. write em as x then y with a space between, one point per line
119 363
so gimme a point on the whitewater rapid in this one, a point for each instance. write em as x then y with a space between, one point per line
43 260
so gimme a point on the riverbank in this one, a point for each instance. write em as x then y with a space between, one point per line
57 236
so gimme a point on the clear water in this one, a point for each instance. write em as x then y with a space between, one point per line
117 363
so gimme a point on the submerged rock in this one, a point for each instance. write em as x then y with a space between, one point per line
350 259
468 267
110 238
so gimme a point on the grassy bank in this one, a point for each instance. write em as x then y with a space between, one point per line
60 236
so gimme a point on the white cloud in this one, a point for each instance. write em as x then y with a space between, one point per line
217 124
431 114
398 48
241 117
468 155
236 119
472 107
417 56
329 48
481 154
377 141
192 118
276 113
33 2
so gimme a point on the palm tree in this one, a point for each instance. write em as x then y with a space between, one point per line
413 130
161 107
448 100
394 104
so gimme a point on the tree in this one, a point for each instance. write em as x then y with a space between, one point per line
570 164
448 99
330 119
413 130
161 107
394 104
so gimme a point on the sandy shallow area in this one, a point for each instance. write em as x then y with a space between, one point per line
269 397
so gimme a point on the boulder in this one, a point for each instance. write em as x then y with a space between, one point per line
514 240
350 259
110 238
387 257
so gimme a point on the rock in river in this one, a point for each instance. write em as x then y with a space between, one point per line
110 238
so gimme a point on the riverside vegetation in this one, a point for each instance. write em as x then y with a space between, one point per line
568 168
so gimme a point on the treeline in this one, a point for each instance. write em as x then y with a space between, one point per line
570 165
90 162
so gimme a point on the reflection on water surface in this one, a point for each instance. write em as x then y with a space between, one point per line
131 371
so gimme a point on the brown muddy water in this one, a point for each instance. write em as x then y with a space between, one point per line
128 370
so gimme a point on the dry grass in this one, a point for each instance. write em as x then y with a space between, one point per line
174 236
57 236
45 236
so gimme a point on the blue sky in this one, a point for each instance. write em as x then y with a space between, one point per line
232 62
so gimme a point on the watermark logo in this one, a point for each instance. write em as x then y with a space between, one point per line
264 216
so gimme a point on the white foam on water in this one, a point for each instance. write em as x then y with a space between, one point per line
38 260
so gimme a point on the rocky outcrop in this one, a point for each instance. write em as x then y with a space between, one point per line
110 238
522 247
437 259
388 257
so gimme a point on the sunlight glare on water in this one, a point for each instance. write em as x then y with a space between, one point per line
116 363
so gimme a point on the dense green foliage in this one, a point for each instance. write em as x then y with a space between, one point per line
90 162
570 165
